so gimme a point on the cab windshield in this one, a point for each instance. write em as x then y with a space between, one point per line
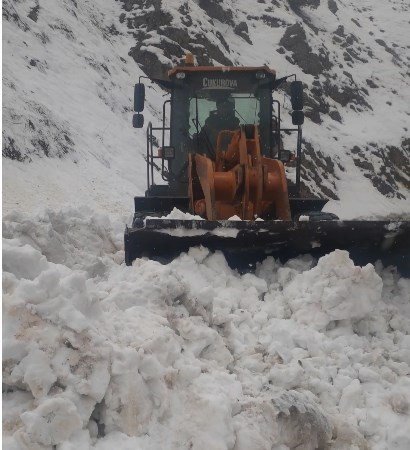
208 110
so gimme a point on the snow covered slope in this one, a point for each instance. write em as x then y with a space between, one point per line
68 81
69 68
192 355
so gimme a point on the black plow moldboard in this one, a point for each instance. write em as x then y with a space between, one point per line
246 242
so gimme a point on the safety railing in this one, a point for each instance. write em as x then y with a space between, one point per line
150 157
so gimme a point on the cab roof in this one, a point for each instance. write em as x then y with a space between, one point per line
220 69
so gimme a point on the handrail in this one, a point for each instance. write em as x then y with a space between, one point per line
149 138
299 158
278 129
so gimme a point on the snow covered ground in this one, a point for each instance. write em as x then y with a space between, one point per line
192 355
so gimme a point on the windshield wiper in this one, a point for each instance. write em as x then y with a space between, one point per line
240 116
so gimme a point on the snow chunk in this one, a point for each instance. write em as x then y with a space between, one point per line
301 420
176 214
335 289
23 261
36 372
52 422
304 218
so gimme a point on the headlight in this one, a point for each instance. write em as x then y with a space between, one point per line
260 75
180 75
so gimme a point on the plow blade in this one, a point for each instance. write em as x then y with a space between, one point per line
244 242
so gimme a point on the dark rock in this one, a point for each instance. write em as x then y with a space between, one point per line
317 168
272 21
10 150
356 150
10 14
356 23
224 43
340 31
33 14
316 104
371 84
149 62
332 6
113 31
335 115
363 164
44 146
214 9
242 30
64 28
295 41
185 17
174 42
349 76
152 20
395 167
212 52
388 49
347 57
344 94
297 7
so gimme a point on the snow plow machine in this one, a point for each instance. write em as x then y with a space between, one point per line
220 159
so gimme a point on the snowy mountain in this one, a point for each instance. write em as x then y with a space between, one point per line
193 355
69 70
67 135
355 70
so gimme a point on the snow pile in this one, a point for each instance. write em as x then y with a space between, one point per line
193 230
192 354
177 214
334 290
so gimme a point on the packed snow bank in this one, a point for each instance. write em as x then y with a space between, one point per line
334 290
192 355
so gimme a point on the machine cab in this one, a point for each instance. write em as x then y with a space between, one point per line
206 100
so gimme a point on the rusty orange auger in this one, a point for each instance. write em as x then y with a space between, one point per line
240 181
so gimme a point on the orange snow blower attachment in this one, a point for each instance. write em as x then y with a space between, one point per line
239 181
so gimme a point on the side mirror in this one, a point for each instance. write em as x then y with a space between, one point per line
137 120
298 117
296 95
139 97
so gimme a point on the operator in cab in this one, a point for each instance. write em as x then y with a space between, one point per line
223 118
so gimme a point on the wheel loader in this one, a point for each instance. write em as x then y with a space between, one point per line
220 156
